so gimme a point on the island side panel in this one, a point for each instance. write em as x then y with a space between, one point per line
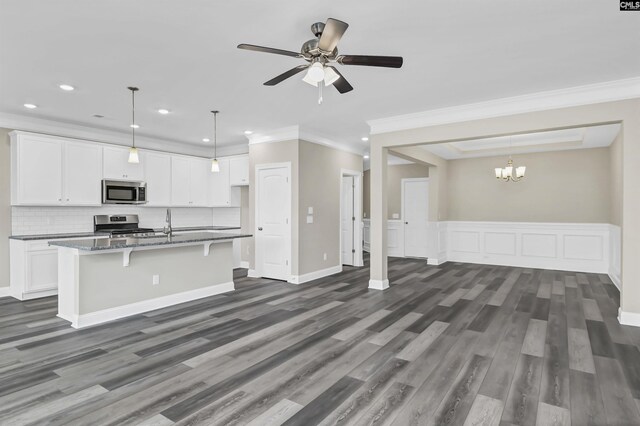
108 290
68 284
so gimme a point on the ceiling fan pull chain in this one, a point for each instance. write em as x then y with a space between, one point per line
320 86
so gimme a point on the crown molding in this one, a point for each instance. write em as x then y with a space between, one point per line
95 134
295 133
575 96
277 135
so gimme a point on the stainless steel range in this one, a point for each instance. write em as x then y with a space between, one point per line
120 226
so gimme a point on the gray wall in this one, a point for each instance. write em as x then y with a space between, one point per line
5 206
395 174
565 186
320 179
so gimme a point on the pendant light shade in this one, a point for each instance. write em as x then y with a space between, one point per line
133 151
133 155
215 166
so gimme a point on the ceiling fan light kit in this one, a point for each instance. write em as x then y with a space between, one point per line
320 53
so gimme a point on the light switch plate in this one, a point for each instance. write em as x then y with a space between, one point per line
309 219
310 210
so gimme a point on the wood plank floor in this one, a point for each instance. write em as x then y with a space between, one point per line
453 344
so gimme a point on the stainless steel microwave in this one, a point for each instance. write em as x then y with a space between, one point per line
123 192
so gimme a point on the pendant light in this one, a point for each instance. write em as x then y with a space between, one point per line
507 173
133 151
215 167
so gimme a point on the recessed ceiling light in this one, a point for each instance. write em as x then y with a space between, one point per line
163 111
365 139
205 140
248 132
30 106
67 87
134 126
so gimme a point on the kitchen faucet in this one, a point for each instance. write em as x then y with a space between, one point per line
167 225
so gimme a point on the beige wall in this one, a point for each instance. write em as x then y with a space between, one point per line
565 186
268 153
320 172
5 206
615 167
395 174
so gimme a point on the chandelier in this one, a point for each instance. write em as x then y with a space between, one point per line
507 173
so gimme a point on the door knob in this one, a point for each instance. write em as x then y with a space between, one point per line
260 228
406 223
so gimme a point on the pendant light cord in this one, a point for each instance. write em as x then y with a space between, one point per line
215 134
133 115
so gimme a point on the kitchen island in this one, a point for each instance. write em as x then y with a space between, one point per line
103 279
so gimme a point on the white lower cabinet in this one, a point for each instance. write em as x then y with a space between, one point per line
33 270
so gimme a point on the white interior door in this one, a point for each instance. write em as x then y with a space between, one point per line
415 208
273 228
347 217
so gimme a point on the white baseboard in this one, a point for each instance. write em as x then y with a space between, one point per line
5 291
628 318
299 279
615 279
252 273
378 284
244 264
105 315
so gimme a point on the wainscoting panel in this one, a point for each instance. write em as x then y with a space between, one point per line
582 247
395 237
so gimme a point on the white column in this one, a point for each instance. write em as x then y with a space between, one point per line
378 232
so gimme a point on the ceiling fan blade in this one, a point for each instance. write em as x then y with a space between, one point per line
371 61
331 35
286 75
341 84
269 50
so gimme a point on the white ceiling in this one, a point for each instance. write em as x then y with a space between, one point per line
557 140
183 57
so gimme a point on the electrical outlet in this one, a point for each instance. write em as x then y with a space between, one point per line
156 279
325 256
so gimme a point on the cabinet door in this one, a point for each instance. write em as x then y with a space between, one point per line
82 174
199 182
42 270
180 182
157 174
220 187
39 171
117 166
239 170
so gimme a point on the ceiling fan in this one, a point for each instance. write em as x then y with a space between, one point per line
321 53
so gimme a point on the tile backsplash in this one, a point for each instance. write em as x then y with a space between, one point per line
54 220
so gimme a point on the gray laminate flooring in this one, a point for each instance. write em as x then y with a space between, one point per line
453 344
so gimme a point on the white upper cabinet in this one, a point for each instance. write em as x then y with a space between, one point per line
199 182
190 184
180 196
157 174
82 174
239 170
117 166
220 187
50 171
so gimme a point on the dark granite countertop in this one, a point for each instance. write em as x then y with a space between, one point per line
96 244
92 234
54 236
